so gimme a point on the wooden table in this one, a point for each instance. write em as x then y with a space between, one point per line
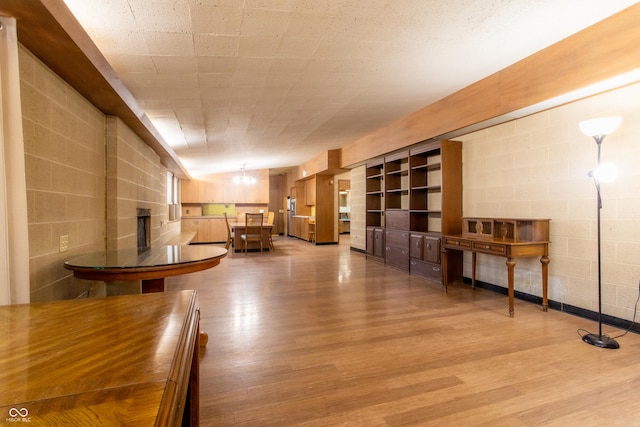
499 247
122 360
151 266
238 228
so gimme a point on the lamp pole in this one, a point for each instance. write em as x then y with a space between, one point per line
598 129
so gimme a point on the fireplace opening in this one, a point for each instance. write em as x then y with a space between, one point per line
144 229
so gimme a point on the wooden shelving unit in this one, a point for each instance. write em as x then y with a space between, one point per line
414 197
375 209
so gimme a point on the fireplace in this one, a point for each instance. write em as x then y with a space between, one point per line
144 229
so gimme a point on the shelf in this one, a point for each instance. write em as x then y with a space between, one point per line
432 188
428 167
398 172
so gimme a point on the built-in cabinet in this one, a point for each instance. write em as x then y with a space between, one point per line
412 198
208 230
374 200
375 243
314 201
222 188
310 192
299 227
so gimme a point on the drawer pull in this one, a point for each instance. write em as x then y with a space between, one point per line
436 268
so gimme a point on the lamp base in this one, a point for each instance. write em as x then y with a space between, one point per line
600 341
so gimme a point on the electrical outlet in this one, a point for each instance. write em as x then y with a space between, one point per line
64 243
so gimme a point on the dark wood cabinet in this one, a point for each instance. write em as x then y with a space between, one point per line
417 194
397 248
374 194
375 242
424 252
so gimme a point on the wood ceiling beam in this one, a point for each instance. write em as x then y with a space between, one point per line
602 51
48 29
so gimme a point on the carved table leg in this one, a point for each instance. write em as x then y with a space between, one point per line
473 270
511 264
445 269
545 273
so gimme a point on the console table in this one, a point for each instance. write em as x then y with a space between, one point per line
122 360
507 237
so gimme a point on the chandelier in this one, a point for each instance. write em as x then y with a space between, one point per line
244 179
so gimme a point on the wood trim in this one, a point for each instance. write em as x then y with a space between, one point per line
602 51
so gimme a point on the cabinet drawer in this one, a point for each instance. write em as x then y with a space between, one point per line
397 219
415 246
397 257
397 238
490 248
457 243
429 270
431 249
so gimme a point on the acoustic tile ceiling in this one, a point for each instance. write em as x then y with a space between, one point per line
273 83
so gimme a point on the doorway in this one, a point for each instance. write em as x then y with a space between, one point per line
344 206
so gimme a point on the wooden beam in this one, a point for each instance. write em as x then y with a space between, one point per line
600 52
48 29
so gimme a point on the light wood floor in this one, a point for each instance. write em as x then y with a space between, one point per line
319 336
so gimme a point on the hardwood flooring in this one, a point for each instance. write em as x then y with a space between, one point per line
320 336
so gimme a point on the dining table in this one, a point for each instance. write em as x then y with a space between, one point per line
239 228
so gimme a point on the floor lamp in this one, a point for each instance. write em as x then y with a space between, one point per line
598 129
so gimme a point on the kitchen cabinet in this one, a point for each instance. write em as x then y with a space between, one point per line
212 190
310 192
299 227
208 230
221 188
247 193
191 191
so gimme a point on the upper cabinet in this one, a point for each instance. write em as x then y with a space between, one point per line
310 192
223 188
192 191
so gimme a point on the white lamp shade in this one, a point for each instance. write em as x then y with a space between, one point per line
600 126
605 173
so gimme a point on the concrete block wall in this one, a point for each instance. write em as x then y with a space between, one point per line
86 175
537 167
65 174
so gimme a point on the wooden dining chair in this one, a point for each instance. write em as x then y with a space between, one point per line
230 235
252 230
270 219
